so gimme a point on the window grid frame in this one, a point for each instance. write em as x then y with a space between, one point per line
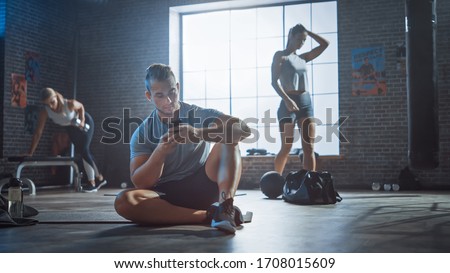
256 67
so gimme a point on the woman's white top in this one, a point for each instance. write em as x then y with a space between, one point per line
294 74
65 117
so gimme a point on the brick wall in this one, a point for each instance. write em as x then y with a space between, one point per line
2 65
45 27
377 126
119 39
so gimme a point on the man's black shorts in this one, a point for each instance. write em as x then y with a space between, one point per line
196 191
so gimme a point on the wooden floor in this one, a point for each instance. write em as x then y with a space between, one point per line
364 222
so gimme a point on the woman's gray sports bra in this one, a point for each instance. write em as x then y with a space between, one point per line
294 74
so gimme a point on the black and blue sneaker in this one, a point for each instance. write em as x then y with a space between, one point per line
238 217
224 216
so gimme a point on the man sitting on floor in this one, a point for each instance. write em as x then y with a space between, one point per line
178 178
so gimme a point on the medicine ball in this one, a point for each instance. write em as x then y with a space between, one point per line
271 184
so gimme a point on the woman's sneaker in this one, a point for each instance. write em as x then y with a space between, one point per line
90 188
224 217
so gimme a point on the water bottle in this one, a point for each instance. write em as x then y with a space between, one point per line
76 122
15 198
387 187
395 187
376 186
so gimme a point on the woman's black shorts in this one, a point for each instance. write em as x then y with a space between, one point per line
303 101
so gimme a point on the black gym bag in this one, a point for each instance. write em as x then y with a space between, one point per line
310 188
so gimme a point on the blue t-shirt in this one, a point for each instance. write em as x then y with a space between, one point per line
187 158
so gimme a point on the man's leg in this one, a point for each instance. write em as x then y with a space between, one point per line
224 166
146 207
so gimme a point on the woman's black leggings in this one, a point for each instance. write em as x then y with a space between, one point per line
82 140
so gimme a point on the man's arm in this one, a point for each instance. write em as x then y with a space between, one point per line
226 129
145 170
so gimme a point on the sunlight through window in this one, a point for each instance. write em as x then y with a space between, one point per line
226 59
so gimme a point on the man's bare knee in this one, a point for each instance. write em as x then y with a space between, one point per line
122 203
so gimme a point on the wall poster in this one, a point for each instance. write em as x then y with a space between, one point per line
32 70
368 74
18 90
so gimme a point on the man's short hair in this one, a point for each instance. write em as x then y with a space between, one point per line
159 72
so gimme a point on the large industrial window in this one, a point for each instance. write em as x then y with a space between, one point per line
226 59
